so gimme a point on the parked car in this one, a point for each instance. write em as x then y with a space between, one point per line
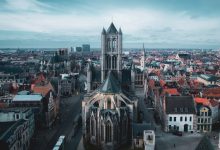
178 133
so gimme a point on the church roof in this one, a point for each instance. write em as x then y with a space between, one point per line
112 29
205 144
111 85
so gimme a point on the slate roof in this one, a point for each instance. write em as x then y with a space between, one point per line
180 105
11 129
110 85
4 126
138 129
184 56
112 29
204 144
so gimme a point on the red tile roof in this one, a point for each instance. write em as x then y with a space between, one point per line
204 101
39 79
171 91
212 92
42 88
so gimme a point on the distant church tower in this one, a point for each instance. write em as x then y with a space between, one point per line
111 52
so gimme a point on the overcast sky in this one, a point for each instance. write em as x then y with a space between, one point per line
65 23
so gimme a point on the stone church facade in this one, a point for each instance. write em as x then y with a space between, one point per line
109 111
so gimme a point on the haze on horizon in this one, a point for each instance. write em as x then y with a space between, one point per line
157 23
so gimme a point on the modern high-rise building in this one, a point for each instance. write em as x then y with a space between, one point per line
78 49
86 48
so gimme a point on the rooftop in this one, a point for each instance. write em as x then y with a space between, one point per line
180 105
20 98
110 85
112 29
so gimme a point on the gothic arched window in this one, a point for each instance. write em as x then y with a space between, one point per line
108 132
93 126
109 103
113 44
109 45
124 126
102 132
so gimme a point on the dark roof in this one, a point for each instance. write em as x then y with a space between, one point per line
112 29
184 56
180 105
138 129
96 74
110 85
126 76
4 126
205 144
10 130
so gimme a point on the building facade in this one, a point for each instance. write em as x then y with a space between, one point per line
179 114
204 118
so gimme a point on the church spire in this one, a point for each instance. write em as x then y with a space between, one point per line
103 31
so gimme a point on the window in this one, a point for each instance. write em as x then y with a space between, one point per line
181 109
102 132
93 126
169 127
208 120
201 120
174 118
137 142
181 118
190 118
198 120
17 116
108 132
185 118
109 103
175 109
170 118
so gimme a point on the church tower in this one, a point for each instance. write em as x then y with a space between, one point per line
111 43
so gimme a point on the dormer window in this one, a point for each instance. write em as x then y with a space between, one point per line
175 109
181 109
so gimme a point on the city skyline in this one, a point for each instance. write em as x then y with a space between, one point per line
158 24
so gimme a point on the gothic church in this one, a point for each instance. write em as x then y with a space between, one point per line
109 110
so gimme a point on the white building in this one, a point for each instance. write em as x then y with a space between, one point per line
149 140
179 113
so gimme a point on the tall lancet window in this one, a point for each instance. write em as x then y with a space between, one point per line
109 44
93 126
108 132
114 45
108 103
102 132
124 126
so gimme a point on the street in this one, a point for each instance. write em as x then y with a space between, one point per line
46 139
